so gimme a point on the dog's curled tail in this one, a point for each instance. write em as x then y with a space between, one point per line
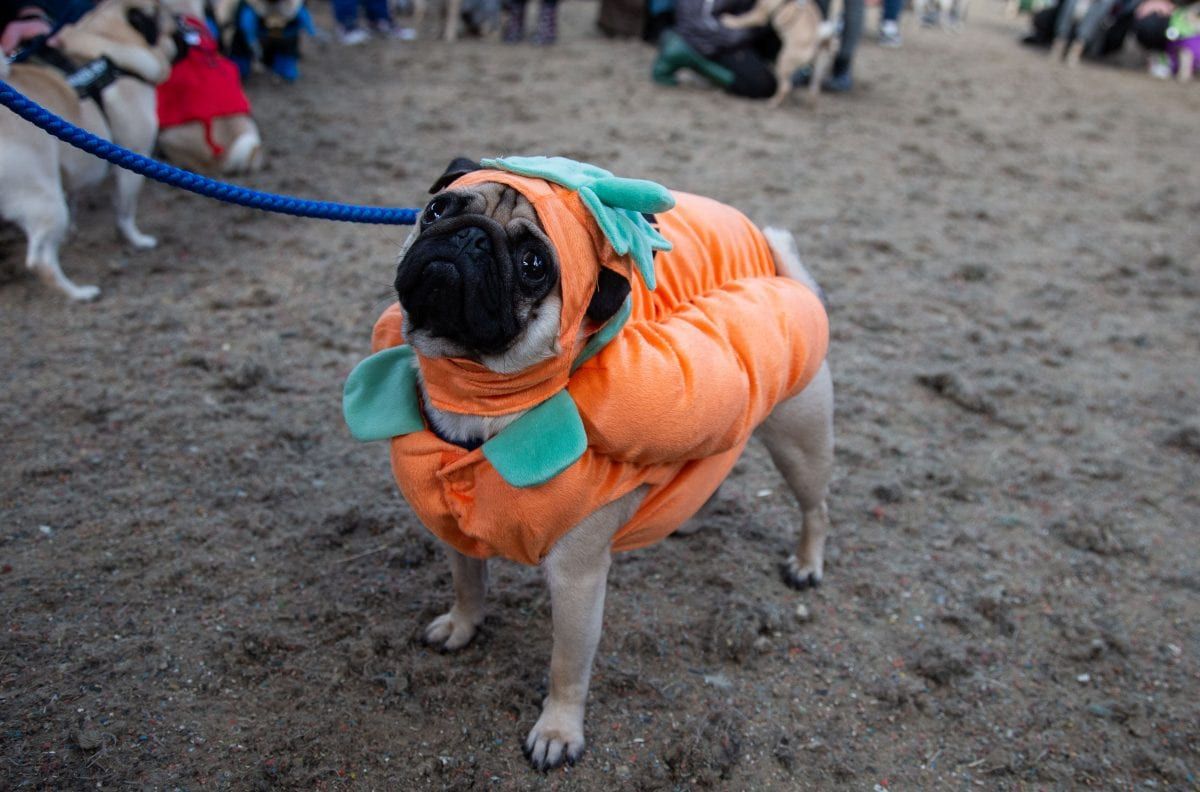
787 259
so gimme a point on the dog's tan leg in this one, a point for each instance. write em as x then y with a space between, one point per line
135 128
785 67
1187 65
455 628
799 436
577 571
46 230
819 70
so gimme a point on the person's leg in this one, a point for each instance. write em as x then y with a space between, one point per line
377 12
514 21
753 77
889 23
852 24
1041 28
1093 20
346 13
547 25
1064 23
674 54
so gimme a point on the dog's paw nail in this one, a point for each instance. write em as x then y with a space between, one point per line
548 747
798 577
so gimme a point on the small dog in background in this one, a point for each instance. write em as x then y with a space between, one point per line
1183 42
203 113
807 38
264 32
123 49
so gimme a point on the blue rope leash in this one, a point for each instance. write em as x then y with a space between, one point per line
201 185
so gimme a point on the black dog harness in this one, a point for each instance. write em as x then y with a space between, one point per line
90 79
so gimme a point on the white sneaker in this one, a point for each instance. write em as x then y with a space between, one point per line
889 34
353 37
1160 68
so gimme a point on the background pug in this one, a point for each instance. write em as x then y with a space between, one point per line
204 115
37 172
483 291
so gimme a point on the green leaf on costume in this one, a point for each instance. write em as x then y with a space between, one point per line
379 399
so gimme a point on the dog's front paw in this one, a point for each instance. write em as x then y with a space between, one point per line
452 630
137 238
84 293
801 575
557 737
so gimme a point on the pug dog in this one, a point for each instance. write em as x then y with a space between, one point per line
204 116
481 287
38 173
807 38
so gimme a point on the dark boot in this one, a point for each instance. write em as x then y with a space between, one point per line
514 21
674 54
547 26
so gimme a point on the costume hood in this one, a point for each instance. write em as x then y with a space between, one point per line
594 220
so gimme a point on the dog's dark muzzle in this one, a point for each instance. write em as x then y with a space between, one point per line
456 282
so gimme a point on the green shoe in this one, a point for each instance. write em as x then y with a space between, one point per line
674 54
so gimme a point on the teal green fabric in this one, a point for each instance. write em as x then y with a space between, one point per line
604 334
379 400
540 444
616 203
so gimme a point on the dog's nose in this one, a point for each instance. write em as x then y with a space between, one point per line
472 239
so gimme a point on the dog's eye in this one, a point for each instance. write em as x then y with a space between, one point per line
533 268
435 211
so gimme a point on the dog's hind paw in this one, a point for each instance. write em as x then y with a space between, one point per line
556 738
800 576
84 293
138 239
451 631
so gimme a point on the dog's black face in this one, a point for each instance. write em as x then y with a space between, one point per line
476 273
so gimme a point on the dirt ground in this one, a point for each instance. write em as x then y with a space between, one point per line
206 584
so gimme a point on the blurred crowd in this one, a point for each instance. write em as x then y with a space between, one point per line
1168 31
694 36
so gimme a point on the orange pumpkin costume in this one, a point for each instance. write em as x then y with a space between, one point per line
669 402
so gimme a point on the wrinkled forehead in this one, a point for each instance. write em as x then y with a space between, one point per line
556 210
500 202
576 239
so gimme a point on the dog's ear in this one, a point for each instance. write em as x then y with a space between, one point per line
458 166
611 291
